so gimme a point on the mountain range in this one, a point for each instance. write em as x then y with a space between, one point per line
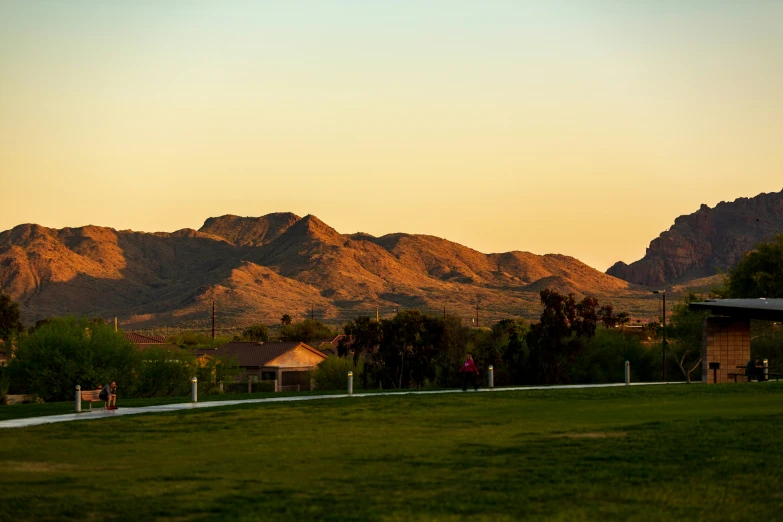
258 268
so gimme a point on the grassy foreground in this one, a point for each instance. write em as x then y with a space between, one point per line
648 453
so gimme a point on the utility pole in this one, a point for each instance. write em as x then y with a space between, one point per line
376 316
213 318
663 354
663 343
312 312
115 324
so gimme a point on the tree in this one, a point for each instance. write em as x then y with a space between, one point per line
362 337
606 314
400 337
256 333
565 325
39 323
509 347
759 273
10 325
305 331
285 320
623 318
69 351
685 330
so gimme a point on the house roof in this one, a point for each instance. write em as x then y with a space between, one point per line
327 340
763 309
256 354
144 339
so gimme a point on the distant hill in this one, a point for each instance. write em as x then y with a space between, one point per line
261 268
710 240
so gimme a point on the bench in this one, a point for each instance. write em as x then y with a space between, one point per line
770 376
736 375
92 396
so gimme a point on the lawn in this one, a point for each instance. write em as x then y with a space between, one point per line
641 453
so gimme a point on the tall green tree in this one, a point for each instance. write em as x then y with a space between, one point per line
10 324
565 326
305 331
256 333
69 351
362 337
759 273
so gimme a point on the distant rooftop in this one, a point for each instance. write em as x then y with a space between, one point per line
762 309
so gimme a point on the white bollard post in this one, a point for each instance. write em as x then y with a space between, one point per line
78 399
350 383
627 373
491 377
766 370
220 386
194 390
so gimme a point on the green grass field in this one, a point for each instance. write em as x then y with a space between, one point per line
645 453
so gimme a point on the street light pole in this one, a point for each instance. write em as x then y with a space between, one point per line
663 344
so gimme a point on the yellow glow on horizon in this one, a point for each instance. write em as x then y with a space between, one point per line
582 131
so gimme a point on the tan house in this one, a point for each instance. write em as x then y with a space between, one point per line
290 364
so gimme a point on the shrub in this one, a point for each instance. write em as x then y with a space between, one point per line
68 351
603 359
332 373
163 371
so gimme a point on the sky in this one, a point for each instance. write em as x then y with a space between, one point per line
581 128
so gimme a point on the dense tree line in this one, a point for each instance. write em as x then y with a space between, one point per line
418 350
64 352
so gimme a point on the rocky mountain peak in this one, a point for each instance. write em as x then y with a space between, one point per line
706 242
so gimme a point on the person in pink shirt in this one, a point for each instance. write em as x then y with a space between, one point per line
470 373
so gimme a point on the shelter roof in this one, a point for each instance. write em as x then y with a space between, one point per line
762 309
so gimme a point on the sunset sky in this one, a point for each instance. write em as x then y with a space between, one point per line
581 128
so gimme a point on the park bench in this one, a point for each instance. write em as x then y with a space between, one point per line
92 396
741 373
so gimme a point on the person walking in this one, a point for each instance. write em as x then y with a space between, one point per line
470 372
109 394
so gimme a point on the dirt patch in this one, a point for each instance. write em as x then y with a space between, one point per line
44 467
590 435
36 467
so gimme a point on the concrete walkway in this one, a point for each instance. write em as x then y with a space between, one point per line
103 414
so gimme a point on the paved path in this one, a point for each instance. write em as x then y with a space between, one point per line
103 414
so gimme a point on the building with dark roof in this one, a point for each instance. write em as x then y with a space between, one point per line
289 364
725 348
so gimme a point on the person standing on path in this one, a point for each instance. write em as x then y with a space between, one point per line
470 373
